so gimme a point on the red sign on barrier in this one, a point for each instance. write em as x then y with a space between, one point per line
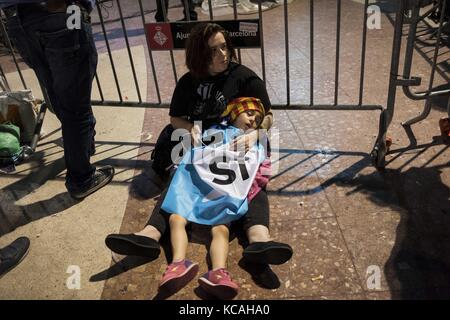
159 36
165 36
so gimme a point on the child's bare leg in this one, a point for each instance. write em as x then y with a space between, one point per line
219 246
151 232
178 237
180 271
258 233
217 281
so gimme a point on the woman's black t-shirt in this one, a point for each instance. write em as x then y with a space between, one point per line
206 100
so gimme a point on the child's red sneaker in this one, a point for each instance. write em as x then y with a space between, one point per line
219 284
177 275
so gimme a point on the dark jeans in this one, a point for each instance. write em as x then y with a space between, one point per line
64 62
257 214
159 16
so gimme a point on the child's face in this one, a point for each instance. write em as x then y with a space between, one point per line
250 119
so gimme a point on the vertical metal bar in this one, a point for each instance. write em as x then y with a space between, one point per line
174 68
263 61
311 53
436 48
10 47
3 81
46 96
211 17
235 18
286 39
150 53
448 107
338 47
38 127
109 51
163 7
187 14
363 54
130 56
410 44
100 91
379 151
395 62
172 60
40 117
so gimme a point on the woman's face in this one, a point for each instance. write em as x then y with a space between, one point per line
219 53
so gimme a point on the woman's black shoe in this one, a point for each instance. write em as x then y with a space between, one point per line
133 245
270 252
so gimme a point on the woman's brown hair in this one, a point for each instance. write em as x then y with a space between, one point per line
198 53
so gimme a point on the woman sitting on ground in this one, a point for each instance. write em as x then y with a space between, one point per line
202 94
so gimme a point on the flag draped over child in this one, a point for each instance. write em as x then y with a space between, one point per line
211 183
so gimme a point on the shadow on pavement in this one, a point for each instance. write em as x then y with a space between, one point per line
419 263
127 263
12 215
147 184
261 274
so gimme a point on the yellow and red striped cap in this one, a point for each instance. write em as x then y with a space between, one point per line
239 105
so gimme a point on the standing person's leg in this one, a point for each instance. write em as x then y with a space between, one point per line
64 61
72 59
218 281
262 249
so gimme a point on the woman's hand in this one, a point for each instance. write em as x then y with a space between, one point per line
245 142
193 129
196 135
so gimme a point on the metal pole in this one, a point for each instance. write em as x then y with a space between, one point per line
263 60
363 54
436 49
235 18
210 10
311 52
150 53
129 51
395 62
286 39
10 47
338 46
99 87
109 52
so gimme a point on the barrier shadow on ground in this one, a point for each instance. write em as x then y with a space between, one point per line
419 263
41 169
13 215
330 156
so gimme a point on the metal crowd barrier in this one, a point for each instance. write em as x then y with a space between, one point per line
406 81
413 36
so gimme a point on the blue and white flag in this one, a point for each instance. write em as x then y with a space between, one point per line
211 183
